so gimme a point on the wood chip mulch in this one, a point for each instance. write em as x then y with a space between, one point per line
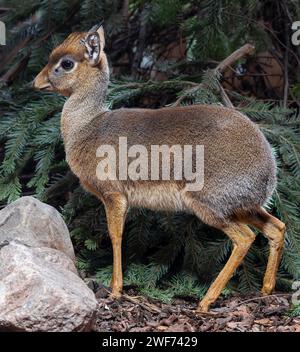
235 314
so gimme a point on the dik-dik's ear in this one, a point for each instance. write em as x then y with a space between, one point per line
94 43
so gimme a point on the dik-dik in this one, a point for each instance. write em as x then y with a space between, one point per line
239 167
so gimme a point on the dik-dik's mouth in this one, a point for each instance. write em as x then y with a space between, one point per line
47 87
42 85
42 82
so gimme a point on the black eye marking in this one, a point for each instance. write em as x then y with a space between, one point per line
67 65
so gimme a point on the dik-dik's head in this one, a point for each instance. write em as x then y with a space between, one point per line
79 60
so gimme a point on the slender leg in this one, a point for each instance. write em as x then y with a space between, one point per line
242 238
274 230
116 209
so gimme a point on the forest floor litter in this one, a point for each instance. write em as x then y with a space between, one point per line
237 313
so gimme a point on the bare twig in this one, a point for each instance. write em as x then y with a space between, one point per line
61 185
225 97
267 29
148 306
217 314
263 297
3 10
125 10
9 56
286 59
245 50
14 71
141 40
286 79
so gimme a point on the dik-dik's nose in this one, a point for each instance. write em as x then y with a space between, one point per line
41 81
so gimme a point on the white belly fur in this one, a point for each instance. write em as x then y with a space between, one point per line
160 197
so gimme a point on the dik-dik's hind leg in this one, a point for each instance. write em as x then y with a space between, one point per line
116 209
274 230
242 238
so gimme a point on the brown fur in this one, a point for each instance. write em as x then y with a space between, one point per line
239 174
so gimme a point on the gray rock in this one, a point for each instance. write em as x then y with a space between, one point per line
36 224
40 291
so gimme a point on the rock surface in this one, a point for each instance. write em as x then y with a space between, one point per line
36 224
40 290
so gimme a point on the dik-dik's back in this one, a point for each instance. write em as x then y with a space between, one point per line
236 173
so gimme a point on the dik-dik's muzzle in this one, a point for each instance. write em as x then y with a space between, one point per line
41 81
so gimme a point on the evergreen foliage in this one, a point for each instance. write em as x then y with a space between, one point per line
165 255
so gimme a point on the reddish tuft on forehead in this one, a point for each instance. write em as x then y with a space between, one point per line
71 46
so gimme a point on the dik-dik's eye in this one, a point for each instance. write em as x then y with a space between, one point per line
67 64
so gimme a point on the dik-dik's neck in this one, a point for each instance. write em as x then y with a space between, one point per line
83 106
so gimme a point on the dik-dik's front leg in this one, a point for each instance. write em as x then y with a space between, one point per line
116 209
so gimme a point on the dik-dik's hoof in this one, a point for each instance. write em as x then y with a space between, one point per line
267 290
202 309
115 295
